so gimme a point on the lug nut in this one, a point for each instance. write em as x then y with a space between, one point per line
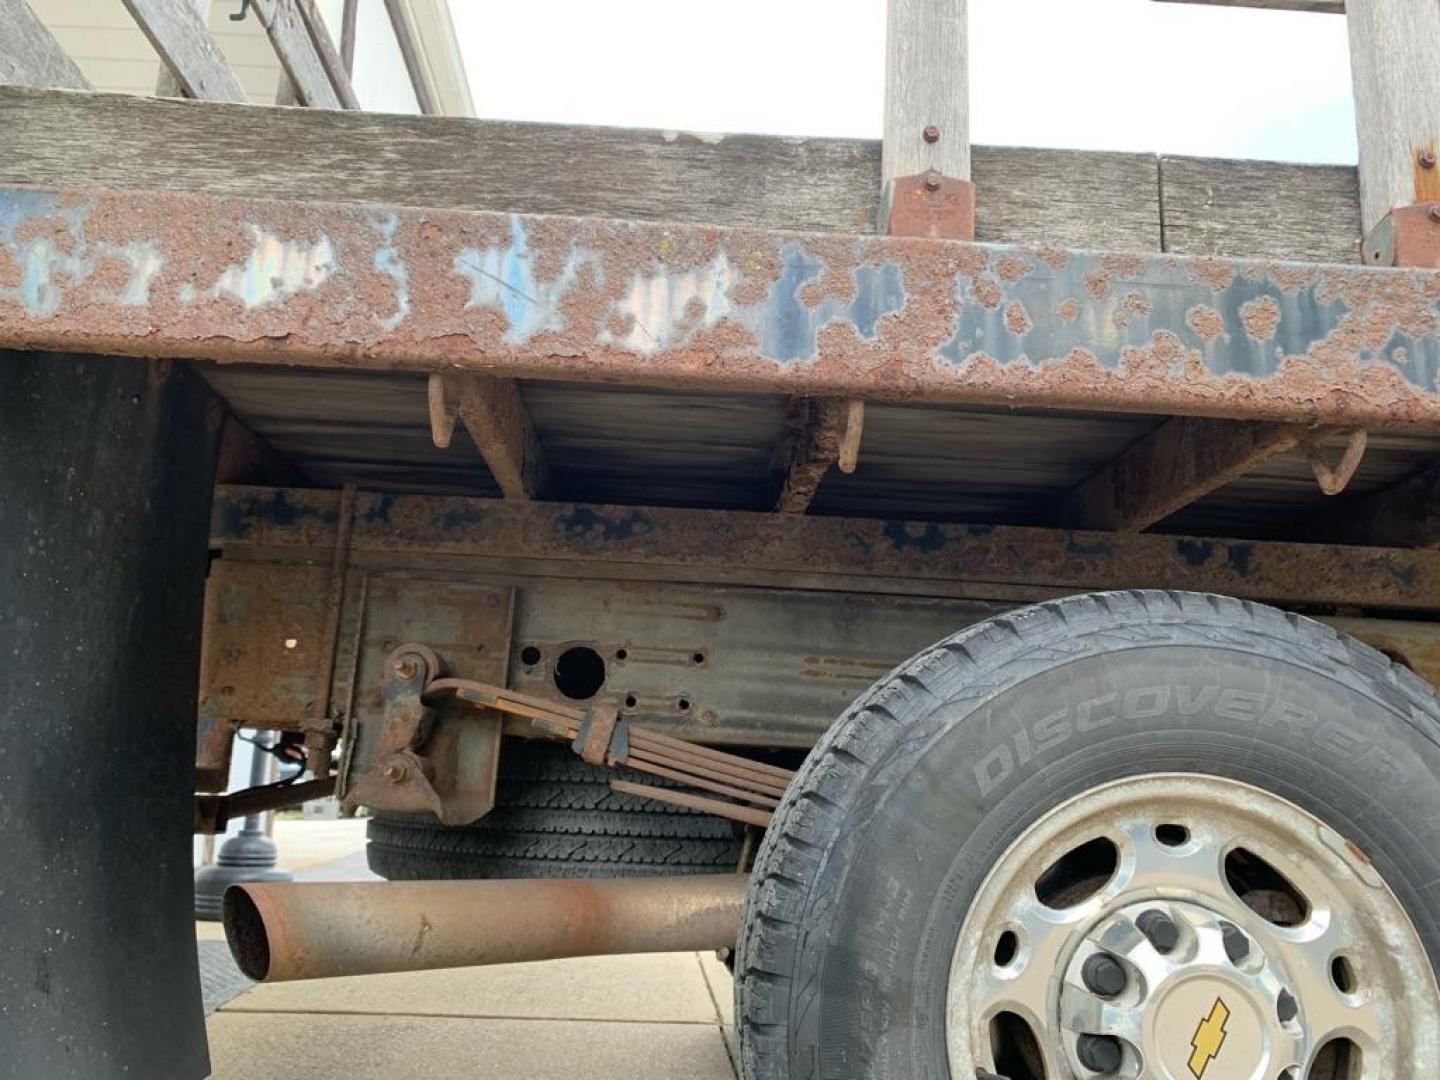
1103 975
1286 1007
1237 945
1159 929
1098 1053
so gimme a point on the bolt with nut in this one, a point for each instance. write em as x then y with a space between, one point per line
396 772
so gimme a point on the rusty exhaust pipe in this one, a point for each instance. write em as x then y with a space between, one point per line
282 931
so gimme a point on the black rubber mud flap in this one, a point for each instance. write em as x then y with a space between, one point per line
106 468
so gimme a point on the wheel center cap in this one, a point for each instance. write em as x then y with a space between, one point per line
1207 1029
1179 991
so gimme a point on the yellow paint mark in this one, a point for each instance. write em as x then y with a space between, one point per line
1209 1038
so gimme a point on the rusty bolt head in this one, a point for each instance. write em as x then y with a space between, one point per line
407 666
1435 213
931 133
1426 157
932 180
396 771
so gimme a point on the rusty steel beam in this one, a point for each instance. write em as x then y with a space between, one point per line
172 274
1180 462
280 932
849 554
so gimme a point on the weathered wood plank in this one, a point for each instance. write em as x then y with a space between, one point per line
1095 200
1396 75
927 85
809 446
499 424
166 83
805 551
1261 209
1180 462
348 17
1075 199
1324 7
184 43
30 55
410 53
337 69
285 26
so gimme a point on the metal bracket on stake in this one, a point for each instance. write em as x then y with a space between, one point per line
930 205
1407 236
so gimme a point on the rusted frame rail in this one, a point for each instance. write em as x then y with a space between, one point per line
167 274
1008 563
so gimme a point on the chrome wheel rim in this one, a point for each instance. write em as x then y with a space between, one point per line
1188 927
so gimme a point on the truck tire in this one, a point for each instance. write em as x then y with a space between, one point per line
555 816
1124 834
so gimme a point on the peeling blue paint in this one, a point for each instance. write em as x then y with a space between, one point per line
661 307
590 526
458 517
788 330
380 511
505 278
1239 559
927 538
1195 552
389 262
47 270
237 516
1126 313
275 270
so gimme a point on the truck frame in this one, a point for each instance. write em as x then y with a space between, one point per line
625 461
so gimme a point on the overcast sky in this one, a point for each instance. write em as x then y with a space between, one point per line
1091 74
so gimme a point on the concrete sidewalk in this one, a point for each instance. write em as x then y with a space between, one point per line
657 1017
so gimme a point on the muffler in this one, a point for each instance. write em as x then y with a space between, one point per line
283 931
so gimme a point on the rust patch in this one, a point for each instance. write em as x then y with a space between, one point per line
986 290
1205 321
1012 267
1068 309
1017 319
1261 317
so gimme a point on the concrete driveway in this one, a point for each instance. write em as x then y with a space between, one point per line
656 1017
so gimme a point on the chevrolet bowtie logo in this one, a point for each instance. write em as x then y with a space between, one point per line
1209 1038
